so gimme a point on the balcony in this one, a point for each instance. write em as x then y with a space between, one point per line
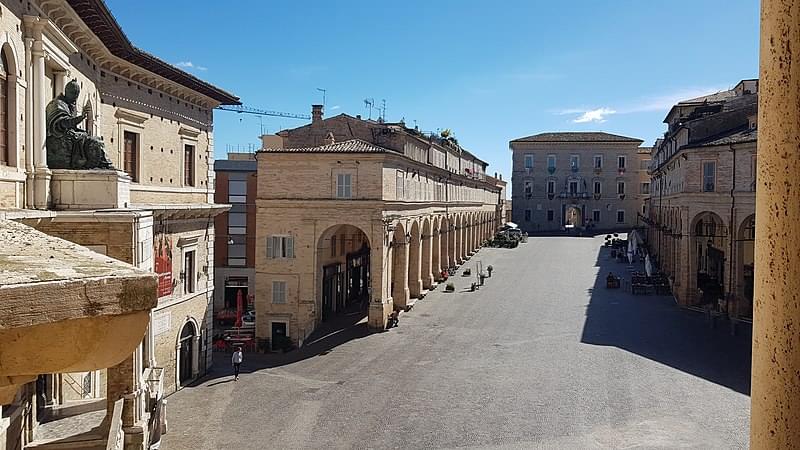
90 310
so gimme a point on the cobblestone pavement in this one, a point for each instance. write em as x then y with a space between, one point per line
543 356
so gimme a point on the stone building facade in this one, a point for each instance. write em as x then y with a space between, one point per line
368 223
155 212
235 241
701 222
590 180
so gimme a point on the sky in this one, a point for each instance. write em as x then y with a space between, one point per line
489 71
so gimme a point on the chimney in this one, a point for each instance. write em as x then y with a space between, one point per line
316 113
358 116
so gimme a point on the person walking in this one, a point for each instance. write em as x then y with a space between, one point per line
236 359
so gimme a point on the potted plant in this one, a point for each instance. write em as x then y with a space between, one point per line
450 287
490 269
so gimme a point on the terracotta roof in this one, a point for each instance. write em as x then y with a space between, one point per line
96 15
577 136
735 138
351 146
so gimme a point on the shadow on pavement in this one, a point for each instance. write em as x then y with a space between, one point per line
329 335
656 328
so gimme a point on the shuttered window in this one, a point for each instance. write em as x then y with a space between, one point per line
280 247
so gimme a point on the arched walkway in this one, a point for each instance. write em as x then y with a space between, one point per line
415 261
399 267
187 354
745 268
709 243
427 254
343 262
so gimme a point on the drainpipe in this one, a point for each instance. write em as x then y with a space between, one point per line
731 234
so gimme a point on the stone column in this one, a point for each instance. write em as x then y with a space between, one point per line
436 254
380 305
400 292
415 265
775 396
427 259
42 174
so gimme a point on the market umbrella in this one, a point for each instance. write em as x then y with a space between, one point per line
239 308
648 266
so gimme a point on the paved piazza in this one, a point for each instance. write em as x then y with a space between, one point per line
542 356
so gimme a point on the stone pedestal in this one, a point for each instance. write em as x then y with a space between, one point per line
89 189
41 181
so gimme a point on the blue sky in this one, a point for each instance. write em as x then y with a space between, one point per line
490 71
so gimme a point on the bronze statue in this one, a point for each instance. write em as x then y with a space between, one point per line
69 147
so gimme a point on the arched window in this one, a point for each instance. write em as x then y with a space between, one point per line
3 108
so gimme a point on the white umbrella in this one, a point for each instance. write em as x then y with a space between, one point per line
648 266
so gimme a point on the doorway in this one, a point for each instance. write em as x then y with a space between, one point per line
279 337
186 352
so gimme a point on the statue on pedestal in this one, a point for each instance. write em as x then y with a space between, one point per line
69 147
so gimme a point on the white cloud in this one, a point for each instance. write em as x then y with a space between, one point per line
598 115
653 103
334 108
190 65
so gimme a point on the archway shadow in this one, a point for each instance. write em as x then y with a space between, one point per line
332 333
656 328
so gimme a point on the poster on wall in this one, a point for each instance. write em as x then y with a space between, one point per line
162 247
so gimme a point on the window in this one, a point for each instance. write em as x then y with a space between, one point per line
645 188
4 116
598 161
549 215
528 187
574 162
596 215
400 187
279 292
529 161
598 187
280 247
644 164
551 186
527 215
343 185
333 245
551 162
621 162
188 165
620 216
237 223
237 191
130 155
620 187
188 272
709 175
573 187
237 253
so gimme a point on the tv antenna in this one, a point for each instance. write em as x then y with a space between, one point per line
369 103
324 92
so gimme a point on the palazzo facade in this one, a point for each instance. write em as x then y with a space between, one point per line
155 212
353 225
701 223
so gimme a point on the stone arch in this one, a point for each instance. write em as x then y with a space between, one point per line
745 268
414 259
459 231
398 284
9 113
187 353
708 247
343 264
427 253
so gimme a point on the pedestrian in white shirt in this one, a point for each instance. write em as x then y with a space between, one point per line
236 359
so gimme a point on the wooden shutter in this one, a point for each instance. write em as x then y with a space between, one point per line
289 242
4 113
270 248
188 165
129 155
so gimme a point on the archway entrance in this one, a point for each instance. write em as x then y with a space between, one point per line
574 217
343 255
709 238
746 264
186 352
